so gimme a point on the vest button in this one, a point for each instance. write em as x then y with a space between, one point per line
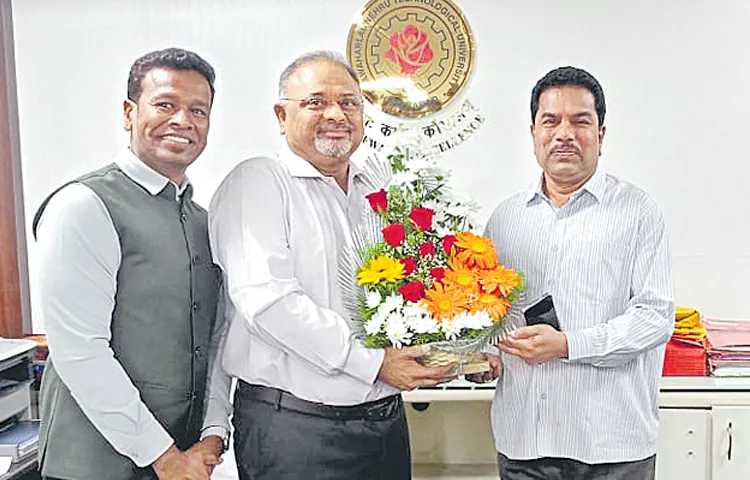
183 216
196 305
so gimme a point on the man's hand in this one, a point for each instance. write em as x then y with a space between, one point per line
536 344
210 449
401 369
496 368
178 465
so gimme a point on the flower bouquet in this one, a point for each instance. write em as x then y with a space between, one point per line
415 273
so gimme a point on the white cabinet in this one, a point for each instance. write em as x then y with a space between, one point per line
730 458
684 444
695 415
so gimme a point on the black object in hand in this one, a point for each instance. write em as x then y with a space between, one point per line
542 311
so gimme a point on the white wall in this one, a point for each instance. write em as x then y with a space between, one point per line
676 75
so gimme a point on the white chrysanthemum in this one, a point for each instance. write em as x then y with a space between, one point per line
392 302
380 315
475 321
413 309
374 325
372 299
434 205
397 331
420 324
458 209
442 230
451 328
403 179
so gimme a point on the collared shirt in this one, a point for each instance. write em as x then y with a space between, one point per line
277 227
604 258
77 257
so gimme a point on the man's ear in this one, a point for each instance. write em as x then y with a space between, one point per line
128 110
280 112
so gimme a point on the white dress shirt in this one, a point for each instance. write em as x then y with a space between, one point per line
277 227
78 257
604 258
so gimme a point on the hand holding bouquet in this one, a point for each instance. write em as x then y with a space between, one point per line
416 274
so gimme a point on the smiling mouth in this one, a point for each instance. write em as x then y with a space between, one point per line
177 139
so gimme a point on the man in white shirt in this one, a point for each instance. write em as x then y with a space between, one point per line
129 294
311 401
582 403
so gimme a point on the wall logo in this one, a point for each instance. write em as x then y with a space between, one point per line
412 57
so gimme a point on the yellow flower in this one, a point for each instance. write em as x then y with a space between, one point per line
475 251
499 281
445 302
496 307
381 269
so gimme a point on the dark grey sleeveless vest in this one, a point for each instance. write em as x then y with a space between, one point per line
165 306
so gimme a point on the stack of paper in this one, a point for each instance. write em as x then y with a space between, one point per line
729 353
686 351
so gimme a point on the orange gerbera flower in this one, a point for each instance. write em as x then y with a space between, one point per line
459 276
475 251
445 302
499 281
496 307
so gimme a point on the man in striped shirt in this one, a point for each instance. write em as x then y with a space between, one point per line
582 403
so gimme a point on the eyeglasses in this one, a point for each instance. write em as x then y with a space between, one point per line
348 104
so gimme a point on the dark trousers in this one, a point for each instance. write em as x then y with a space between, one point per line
272 442
567 469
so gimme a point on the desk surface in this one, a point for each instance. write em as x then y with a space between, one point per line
671 387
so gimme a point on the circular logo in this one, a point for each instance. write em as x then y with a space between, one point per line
412 57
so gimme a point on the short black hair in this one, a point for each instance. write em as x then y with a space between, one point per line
169 58
569 77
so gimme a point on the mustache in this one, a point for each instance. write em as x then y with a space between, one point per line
565 148
334 126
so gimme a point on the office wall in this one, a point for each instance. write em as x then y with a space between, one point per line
676 75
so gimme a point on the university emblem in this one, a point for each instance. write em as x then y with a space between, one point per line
412 57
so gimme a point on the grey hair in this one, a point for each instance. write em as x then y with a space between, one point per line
310 57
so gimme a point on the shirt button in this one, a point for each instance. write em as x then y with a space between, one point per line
544 396
555 248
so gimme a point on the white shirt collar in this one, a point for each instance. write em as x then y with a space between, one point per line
299 167
595 185
145 176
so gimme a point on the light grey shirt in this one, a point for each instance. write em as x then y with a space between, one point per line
605 259
277 227
78 257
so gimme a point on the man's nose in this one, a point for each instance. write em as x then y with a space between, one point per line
334 111
564 131
181 118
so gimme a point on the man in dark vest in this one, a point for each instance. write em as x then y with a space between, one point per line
129 293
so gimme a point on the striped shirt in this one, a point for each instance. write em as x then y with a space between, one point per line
604 258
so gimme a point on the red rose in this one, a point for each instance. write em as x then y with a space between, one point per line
437 273
413 291
410 264
394 234
422 218
427 248
378 200
448 242
410 49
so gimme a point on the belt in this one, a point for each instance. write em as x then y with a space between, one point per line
382 409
